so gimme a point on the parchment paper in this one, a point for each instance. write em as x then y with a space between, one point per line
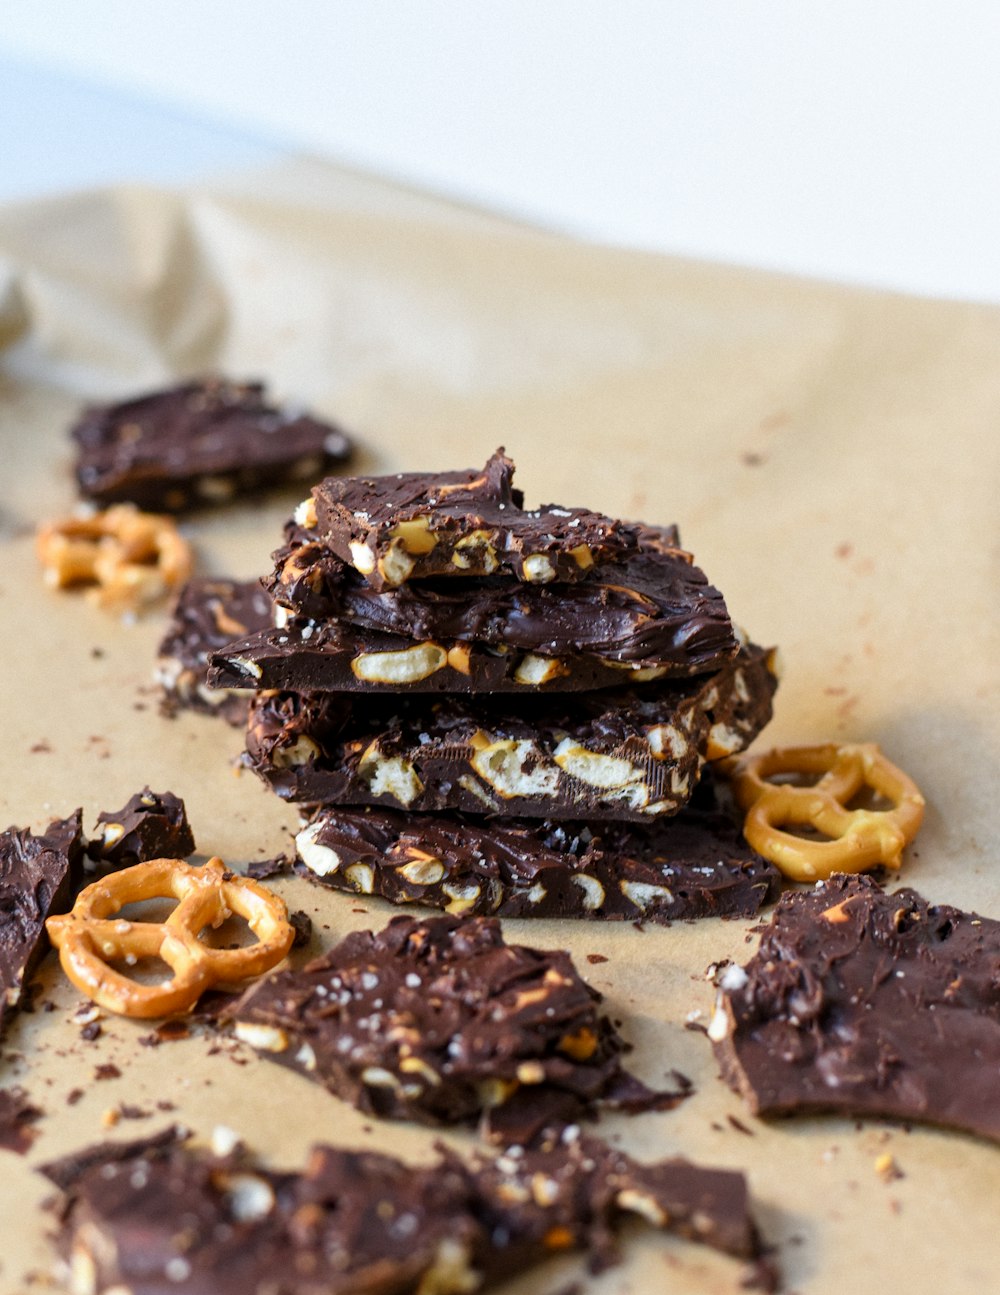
831 457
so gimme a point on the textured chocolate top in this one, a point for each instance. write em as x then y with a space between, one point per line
695 864
866 1003
207 616
151 825
203 442
654 609
468 523
155 1216
337 656
440 1020
632 753
38 877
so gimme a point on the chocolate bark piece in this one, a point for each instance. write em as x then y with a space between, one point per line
39 876
468 523
151 825
203 442
864 1003
206 617
695 864
336 656
586 1186
441 1021
653 611
631 754
159 1215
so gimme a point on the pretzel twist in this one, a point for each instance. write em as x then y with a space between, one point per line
857 838
129 558
91 936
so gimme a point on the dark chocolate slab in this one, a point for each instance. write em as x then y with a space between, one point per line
158 1216
39 876
441 1021
206 617
694 864
654 610
203 442
633 753
865 1003
469 523
341 657
151 825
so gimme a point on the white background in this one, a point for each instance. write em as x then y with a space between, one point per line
857 139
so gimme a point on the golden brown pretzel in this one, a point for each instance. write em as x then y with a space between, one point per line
128 557
92 935
856 838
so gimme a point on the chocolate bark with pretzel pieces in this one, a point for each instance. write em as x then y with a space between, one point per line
337 656
631 754
150 825
442 1021
39 875
859 1002
157 1215
202 442
694 864
654 611
207 615
469 523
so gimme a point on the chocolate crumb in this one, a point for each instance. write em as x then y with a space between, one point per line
302 924
73 1096
91 1031
17 1114
264 868
107 1070
595 958
171 1031
739 1126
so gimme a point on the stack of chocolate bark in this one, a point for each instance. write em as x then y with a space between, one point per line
489 709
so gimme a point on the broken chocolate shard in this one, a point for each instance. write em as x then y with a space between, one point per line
864 1003
262 869
159 1215
470 523
653 611
39 877
692 865
335 656
441 1021
151 825
631 754
206 617
203 442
